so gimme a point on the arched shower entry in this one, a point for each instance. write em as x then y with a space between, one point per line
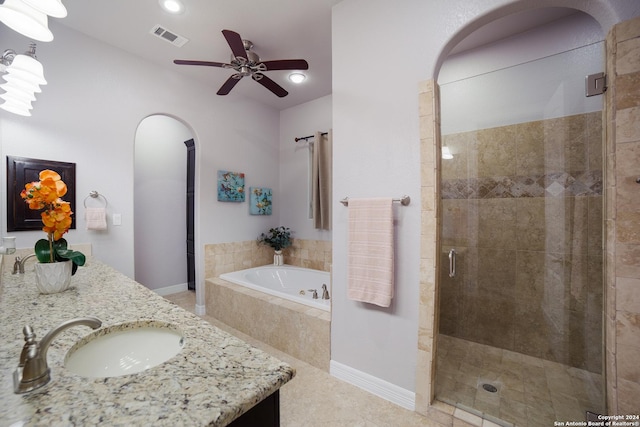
517 332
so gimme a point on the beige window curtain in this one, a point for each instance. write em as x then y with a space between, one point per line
321 173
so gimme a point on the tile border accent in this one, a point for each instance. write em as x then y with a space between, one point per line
559 184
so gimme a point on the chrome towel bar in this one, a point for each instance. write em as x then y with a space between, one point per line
404 201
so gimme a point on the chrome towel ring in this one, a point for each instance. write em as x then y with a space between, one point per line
94 195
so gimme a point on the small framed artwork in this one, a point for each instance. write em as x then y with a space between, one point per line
230 186
259 201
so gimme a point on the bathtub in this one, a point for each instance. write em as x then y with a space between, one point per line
285 281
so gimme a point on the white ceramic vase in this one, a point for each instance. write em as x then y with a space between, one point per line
278 259
53 277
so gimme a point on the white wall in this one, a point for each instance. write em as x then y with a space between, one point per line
293 197
88 114
160 231
381 50
534 75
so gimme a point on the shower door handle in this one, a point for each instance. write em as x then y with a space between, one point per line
452 263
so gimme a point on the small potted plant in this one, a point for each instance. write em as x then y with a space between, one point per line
56 263
278 238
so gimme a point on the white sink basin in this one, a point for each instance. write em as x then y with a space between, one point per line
124 349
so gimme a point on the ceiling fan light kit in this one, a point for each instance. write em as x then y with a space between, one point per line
245 62
297 77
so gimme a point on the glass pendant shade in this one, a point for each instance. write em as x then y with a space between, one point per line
22 83
23 79
21 17
17 93
53 8
19 98
15 105
28 69
16 109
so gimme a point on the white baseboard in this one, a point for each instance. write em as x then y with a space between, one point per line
173 289
374 385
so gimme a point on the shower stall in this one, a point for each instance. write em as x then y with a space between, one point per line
521 277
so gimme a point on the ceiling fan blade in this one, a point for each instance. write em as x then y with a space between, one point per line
206 63
229 84
235 43
287 64
270 84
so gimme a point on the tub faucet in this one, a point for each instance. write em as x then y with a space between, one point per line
325 292
32 371
18 265
315 293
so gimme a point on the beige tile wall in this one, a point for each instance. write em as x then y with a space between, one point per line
222 258
522 207
301 331
622 214
429 110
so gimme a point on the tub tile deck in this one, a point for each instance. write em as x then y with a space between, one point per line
296 329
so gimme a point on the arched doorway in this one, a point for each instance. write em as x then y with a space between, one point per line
164 165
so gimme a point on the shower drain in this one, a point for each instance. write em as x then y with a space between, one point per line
490 388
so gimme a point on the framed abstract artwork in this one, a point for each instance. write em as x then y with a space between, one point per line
259 201
230 186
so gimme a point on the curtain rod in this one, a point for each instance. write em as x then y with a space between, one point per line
307 137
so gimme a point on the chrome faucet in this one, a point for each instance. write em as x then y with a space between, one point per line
325 292
32 371
18 265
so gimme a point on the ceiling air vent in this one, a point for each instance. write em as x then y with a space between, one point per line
169 36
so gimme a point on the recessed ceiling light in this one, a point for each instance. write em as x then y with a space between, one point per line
172 6
297 77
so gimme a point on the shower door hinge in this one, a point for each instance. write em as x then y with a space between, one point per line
595 84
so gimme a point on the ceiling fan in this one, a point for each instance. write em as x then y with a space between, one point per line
247 63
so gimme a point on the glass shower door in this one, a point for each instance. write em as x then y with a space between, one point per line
520 324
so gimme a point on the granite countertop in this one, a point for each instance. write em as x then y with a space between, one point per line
214 379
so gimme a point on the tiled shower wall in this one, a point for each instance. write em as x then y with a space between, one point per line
522 207
622 214
232 256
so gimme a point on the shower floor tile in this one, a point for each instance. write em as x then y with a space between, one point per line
530 392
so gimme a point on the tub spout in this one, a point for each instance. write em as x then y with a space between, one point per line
325 292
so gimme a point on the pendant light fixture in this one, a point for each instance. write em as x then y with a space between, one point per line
24 75
30 17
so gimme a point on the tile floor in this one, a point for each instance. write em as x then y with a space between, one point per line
316 399
531 392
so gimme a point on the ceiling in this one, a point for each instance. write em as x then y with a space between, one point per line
279 29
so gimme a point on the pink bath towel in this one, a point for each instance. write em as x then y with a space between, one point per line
96 218
370 251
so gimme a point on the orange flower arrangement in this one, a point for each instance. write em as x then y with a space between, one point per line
46 195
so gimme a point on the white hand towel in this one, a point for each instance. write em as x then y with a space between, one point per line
96 218
370 251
